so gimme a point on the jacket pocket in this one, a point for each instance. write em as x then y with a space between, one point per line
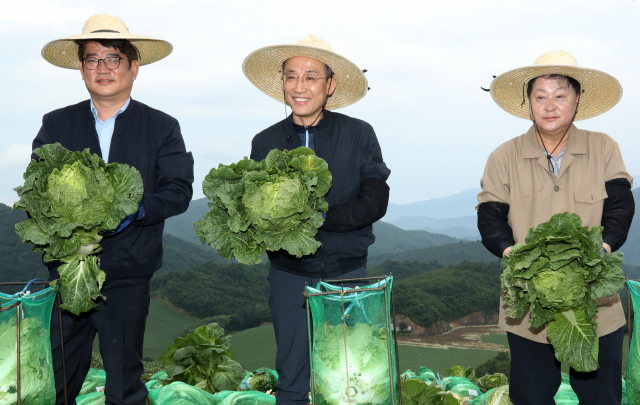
590 197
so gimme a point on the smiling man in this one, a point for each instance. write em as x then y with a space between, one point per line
119 129
553 168
312 80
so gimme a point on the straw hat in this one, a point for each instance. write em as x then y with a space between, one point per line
601 90
263 68
64 52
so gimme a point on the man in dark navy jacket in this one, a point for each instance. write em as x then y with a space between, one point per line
312 80
122 130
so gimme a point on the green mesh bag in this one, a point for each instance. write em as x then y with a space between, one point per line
633 366
32 314
495 396
243 398
94 380
95 398
565 395
353 360
179 393
460 386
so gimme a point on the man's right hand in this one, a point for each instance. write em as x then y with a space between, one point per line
507 250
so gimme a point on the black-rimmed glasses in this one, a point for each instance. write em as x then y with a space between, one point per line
111 63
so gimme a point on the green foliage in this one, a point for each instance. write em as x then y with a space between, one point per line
500 364
151 368
401 270
559 273
36 371
391 240
72 199
96 361
461 371
270 205
203 359
416 392
489 382
352 368
238 291
448 293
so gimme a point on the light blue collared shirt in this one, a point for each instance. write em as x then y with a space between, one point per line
105 129
557 161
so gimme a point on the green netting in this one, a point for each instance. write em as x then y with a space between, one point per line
95 398
353 357
566 396
179 393
33 313
460 386
425 374
495 396
157 380
243 398
94 379
264 379
633 366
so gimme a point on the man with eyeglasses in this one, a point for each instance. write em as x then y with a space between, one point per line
312 80
119 129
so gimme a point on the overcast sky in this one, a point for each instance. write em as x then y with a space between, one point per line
426 61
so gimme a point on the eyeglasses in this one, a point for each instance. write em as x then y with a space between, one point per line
308 79
110 63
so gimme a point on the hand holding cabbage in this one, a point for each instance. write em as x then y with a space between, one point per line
73 198
559 273
268 205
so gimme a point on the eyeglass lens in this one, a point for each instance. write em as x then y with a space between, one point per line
109 63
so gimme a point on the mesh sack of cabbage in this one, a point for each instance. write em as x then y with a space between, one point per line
26 366
633 366
353 359
269 205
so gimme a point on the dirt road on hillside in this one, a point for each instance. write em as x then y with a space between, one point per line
462 337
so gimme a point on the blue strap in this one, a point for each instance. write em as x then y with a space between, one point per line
26 288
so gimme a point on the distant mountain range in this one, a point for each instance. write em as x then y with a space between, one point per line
454 206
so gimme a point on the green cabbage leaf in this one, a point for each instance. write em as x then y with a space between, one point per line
73 199
269 205
558 273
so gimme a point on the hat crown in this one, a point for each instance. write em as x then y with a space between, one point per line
556 58
316 41
104 23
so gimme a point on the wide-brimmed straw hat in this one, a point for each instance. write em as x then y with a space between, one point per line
64 52
264 69
601 91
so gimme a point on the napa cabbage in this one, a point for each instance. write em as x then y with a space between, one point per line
354 370
73 199
557 274
37 385
269 205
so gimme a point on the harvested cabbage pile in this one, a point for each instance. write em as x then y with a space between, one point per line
72 199
270 205
37 382
354 370
558 273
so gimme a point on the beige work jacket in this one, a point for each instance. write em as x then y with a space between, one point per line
517 174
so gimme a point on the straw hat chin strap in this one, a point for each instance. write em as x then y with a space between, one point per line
549 154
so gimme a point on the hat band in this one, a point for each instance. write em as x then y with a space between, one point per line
94 32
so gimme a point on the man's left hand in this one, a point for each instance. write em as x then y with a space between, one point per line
126 221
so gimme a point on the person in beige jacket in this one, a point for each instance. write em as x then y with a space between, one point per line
555 167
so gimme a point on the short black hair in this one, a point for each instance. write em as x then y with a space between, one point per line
569 81
327 70
121 45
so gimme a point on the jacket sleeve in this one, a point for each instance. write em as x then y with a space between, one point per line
39 140
494 228
367 208
173 189
617 213
373 198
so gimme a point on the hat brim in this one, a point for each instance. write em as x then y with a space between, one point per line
601 90
263 68
64 52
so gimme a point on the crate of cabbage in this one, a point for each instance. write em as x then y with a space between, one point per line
558 273
273 204
73 199
351 346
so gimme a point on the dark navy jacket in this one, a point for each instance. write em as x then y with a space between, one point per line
150 141
352 151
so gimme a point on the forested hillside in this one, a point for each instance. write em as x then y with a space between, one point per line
452 253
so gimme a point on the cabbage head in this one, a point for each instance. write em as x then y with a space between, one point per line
269 205
73 199
354 370
37 384
557 274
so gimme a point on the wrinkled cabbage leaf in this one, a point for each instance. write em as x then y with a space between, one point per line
558 273
269 205
73 199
